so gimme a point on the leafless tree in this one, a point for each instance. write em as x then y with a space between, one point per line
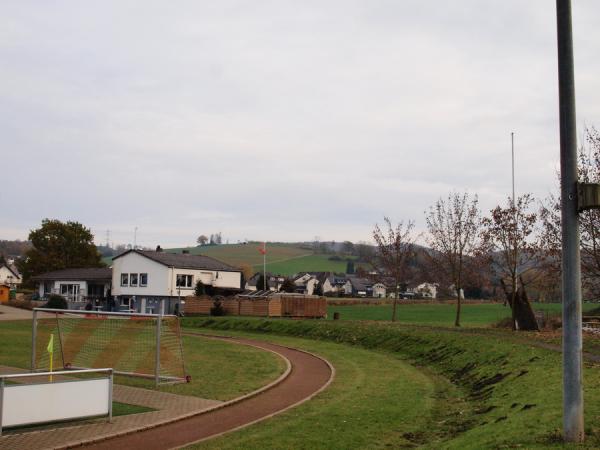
508 233
589 222
394 252
454 226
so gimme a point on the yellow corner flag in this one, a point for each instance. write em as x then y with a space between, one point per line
50 350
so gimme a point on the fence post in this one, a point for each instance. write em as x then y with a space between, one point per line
157 368
33 339
110 395
1 402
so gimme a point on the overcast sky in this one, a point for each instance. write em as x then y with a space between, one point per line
277 120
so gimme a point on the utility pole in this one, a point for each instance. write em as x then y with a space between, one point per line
512 149
571 259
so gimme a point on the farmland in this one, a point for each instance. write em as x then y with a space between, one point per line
473 315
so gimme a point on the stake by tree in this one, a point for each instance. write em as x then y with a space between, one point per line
508 239
57 245
454 226
393 254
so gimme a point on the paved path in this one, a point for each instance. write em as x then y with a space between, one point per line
309 375
12 313
180 419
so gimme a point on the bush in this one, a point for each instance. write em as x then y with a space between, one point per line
217 308
335 258
56 302
200 289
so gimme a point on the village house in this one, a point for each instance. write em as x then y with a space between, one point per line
10 276
79 286
274 282
158 282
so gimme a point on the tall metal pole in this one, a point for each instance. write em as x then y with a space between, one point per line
33 340
265 266
512 149
571 260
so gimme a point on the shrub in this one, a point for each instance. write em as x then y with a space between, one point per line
57 302
217 308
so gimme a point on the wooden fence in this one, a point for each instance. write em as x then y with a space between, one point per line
279 305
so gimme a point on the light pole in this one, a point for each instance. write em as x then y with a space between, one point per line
571 259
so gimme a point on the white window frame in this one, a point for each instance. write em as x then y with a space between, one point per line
143 284
137 279
184 276
125 276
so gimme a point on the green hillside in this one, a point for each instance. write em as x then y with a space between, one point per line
282 258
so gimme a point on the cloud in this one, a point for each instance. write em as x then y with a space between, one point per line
276 120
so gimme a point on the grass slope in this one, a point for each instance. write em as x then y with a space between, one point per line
511 392
308 263
472 315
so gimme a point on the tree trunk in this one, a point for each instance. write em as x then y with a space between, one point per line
522 313
394 308
458 303
512 302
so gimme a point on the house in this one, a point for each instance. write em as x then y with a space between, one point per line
427 290
155 281
274 282
305 283
361 287
9 275
379 290
78 286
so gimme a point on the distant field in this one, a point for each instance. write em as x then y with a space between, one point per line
438 314
236 254
309 263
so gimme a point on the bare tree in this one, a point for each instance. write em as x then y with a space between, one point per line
508 235
589 223
454 226
394 252
202 240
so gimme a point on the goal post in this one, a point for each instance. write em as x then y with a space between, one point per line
142 345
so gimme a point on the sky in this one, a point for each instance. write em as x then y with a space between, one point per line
277 120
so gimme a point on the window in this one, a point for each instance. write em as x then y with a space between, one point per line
184 281
124 279
133 279
143 279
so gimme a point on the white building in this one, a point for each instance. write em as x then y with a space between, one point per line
427 290
10 276
155 281
79 286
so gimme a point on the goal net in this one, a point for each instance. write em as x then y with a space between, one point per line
145 345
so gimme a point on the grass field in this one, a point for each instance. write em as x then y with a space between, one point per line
475 390
219 370
473 315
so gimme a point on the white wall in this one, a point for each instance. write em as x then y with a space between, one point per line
7 277
158 276
162 280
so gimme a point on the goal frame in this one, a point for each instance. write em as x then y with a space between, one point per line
158 317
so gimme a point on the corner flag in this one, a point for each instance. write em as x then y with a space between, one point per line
50 350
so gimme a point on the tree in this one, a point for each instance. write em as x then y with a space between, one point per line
262 283
589 223
350 267
202 240
288 286
454 226
393 254
200 289
507 234
348 247
57 245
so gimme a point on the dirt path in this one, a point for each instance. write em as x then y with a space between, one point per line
309 376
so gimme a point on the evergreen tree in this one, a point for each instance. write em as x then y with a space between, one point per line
288 286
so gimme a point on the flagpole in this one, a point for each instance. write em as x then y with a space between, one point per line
265 266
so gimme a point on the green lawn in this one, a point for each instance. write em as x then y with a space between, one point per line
308 263
220 370
438 314
503 394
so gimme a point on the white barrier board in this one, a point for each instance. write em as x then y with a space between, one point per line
26 404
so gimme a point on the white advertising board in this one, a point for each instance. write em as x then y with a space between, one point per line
26 404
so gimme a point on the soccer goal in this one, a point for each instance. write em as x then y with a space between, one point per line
143 345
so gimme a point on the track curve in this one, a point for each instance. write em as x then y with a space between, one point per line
309 375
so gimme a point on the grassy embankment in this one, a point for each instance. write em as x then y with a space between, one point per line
474 389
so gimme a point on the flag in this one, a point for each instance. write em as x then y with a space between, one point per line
263 249
50 348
